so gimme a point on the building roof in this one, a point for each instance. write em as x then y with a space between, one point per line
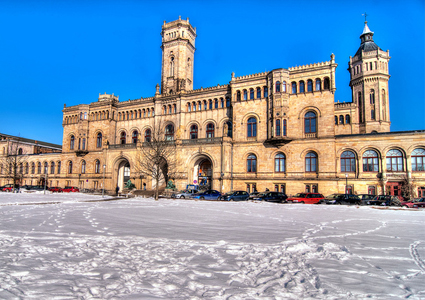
30 141
367 43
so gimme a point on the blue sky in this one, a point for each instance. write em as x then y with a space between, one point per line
57 52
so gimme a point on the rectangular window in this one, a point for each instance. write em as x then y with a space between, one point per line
314 188
276 188
95 185
371 190
307 188
282 188
248 188
349 189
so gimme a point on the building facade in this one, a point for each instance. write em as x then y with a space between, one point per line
280 130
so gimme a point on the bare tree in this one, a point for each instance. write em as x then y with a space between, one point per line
157 158
407 187
13 161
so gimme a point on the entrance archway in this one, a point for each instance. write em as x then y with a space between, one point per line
203 173
123 174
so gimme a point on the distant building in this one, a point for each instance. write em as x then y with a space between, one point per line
280 130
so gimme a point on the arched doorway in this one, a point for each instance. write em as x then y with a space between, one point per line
163 175
123 174
203 173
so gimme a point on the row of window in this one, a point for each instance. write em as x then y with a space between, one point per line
395 161
341 120
204 105
369 66
281 128
370 161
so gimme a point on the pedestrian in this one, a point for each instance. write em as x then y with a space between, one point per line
117 189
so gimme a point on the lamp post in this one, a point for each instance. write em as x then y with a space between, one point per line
346 180
103 184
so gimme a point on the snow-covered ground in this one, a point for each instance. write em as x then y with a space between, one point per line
69 246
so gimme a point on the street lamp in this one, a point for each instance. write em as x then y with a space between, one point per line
103 184
346 180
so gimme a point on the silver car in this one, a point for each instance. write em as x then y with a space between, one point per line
184 194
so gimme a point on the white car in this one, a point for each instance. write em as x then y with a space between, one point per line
184 194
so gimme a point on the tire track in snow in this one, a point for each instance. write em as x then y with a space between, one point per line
416 257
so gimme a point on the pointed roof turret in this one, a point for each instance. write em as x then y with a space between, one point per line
367 43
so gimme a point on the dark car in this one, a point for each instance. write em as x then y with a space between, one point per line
235 196
386 200
309 198
38 188
70 189
208 195
365 198
342 199
55 189
271 197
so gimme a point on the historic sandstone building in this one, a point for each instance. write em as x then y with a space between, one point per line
280 130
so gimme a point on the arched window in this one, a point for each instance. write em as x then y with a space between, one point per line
222 102
83 167
205 105
418 160
394 161
194 106
310 122
252 127
210 130
32 168
193 132
39 168
318 84
245 94
311 162
336 120
199 105
258 93
227 102
84 144
97 166
277 86
251 94
309 85
71 142
238 96
59 167
170 109
189 107
284 86
251 163
370 161
215 103
302 86
348 162
20 151
123 138
229 132
279 163
26 168
70 167
294 87
326 84
372 96
99 140
265 92
147 135
172 66
347 119
21 168
341 119
52 167
169 132
284 127
210 104
277 127
134 136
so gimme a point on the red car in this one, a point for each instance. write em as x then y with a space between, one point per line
415 203
70 189
55 189
9 187
309 198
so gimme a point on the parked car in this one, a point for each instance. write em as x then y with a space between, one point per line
253 195
25 188
419 203
9 187
184 194
208 195
342 199
38 188
271 197
70 189
55 189
235 196
309 198
365 198
386 200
